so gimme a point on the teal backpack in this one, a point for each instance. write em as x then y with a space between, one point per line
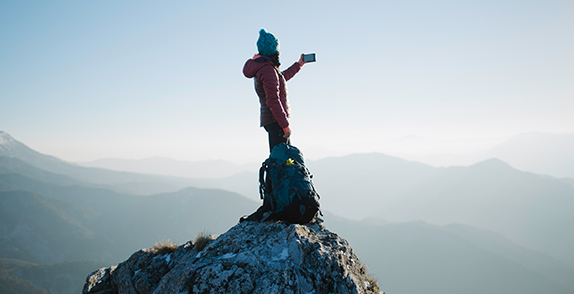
286 184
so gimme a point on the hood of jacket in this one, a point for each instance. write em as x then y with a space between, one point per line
252 66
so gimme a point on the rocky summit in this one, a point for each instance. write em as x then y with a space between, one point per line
249 258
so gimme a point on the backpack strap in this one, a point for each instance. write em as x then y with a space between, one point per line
262 171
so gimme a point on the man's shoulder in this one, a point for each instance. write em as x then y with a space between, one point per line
253 68
267 69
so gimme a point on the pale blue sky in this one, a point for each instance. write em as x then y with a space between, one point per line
90 79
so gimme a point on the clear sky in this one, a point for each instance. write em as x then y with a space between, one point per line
92 79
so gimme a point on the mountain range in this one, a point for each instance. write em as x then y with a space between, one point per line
541 153
532 210
441 235
207 169
537 152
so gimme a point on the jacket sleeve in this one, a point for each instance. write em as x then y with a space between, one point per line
270 79
291 71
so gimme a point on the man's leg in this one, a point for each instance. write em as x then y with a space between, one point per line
276 135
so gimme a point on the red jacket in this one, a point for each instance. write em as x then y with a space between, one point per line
270 85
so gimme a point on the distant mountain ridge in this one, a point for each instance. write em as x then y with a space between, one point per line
538 152
171 167
541 153
19 156
13 148
530 209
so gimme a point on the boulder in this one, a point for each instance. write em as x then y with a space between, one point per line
251 257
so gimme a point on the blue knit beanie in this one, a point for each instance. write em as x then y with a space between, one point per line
267 44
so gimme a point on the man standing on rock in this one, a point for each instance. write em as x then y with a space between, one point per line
270 85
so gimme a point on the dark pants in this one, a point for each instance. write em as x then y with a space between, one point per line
276 135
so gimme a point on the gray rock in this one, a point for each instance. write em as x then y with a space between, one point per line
249 258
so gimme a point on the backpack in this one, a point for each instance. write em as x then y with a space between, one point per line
286 184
